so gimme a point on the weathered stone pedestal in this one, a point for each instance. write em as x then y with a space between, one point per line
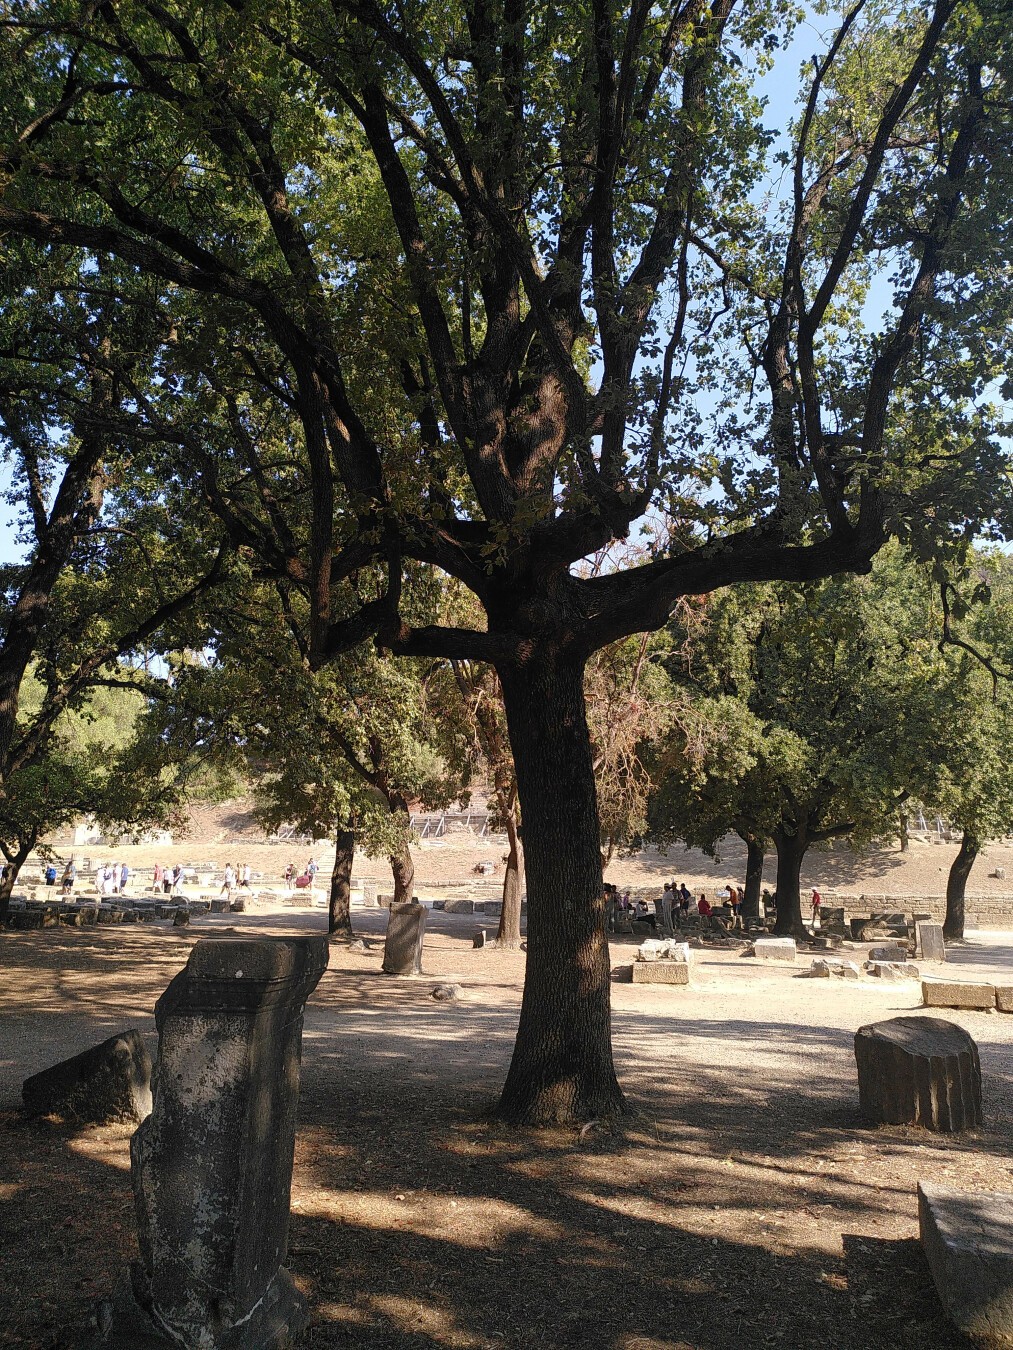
212 1164
919 1071
402 950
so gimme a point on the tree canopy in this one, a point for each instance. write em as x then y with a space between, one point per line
476 286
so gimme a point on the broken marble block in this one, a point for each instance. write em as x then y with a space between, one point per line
212 1164
402 949
919 1071
111 1081
967 1238
892 970
663 949
827 967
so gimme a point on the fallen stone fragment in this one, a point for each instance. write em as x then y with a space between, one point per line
967 1238
663 949
824 968
892 970
181 918
111 1081
894 952
919 1071
1004 997
775 949
950 994
446 993
660 972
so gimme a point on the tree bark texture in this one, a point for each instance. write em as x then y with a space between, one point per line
14 863
791 849
956 884
339 915
403 870
755 854
562 1069
509 933
905 837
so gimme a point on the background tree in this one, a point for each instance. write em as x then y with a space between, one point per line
968 776
103 759
571 246
825 711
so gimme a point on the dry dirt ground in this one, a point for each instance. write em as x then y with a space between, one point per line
743 1205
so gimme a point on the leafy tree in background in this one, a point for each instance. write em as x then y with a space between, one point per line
820 707
105 760
343 752
969 777
456 285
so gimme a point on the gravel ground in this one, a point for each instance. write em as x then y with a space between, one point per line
743 1204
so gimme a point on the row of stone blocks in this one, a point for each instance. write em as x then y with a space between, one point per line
955 994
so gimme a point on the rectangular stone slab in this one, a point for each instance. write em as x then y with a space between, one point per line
950 994
660 972
1004 997
929 944
775 949
967 1237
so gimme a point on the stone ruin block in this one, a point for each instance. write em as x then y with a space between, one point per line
892 970
929 944
952 994
660 972
455 905
775 949
832 967
1004 997
919 1071
892 952
109 1082
212 1164
663 949
967 1238
402 949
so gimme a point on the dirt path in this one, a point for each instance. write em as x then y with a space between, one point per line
745 1205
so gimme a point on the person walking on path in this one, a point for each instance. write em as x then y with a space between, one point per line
230 880
311 872
817 900
69 877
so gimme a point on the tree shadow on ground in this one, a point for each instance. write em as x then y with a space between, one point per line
711 1220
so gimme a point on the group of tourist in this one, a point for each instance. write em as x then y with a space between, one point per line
304 880
69 876
110 878
677 902
169 880
237 877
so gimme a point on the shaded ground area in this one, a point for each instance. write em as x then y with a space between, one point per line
744 1205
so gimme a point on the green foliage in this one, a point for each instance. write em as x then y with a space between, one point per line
812 709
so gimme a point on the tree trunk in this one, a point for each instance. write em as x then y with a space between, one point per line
562 1069
403 869
791 849
904 837
339 915
956 882
509 934
14 863
755 854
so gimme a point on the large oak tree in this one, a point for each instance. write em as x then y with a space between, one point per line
477 285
